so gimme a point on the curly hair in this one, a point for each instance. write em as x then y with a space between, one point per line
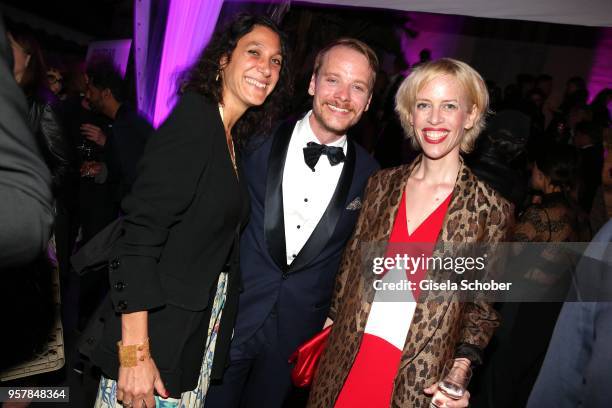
471 81
202 78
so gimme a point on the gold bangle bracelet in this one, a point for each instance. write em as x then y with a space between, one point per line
130 355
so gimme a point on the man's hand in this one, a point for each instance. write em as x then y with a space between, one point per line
93 133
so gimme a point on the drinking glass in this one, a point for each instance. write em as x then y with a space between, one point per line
454 380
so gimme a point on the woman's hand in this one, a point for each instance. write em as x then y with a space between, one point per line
136 385
442 401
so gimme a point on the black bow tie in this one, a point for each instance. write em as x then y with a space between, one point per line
313 152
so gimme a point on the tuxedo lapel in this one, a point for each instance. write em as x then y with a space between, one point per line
327 224
274 222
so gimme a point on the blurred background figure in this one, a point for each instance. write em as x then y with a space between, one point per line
500 156
110 150
24 178
124 139
26 218
29 72
576 369
391 146
588 142
55 82
599 108
43 120
520 344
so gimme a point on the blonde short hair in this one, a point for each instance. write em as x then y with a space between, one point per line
471 81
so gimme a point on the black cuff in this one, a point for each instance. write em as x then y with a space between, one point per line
471 352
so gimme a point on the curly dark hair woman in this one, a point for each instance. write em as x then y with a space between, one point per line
175 274
204 77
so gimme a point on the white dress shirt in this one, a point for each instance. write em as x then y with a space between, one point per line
306 193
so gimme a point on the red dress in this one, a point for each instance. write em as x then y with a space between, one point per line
370 381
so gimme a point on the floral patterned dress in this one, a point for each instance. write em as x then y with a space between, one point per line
107 391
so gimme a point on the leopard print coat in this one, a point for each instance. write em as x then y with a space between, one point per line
476 213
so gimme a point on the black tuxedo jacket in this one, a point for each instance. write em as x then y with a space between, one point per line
301 292
181 229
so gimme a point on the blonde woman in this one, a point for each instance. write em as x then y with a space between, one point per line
379 355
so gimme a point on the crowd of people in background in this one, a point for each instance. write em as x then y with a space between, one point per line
544 159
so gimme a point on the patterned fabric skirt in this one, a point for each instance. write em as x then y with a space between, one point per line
107 391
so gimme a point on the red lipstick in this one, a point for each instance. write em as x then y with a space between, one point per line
437 140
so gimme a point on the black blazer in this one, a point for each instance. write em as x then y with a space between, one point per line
181 229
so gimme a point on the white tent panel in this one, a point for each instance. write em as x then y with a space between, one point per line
596 13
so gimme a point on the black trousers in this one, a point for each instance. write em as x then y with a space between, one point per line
258 374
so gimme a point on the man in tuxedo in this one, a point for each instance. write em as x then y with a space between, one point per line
305 182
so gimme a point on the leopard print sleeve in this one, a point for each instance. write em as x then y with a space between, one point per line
480 319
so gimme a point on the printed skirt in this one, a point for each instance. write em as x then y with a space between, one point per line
107 391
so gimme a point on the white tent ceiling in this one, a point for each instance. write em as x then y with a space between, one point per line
579 12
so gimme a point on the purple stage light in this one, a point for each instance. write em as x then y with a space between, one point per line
189 27
431 30
600 76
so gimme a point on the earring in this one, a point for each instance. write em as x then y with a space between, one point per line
217 77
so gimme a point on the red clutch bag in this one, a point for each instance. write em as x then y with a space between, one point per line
306 359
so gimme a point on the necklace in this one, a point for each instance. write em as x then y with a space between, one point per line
230 143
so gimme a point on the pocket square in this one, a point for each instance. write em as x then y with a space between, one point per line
354 205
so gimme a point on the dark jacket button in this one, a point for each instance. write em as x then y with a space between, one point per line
122 305
285 275
119 286
115 263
